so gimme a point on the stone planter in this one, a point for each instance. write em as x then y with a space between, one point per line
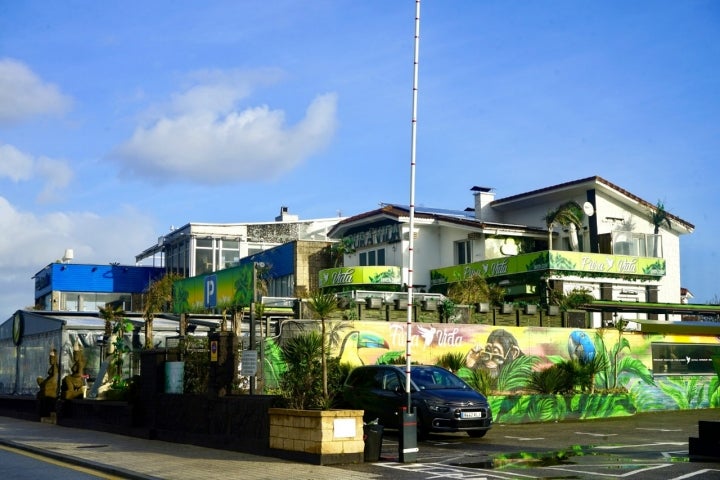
401 303
373 302
506 308
429 305
553 310
321 437
530 309
482 307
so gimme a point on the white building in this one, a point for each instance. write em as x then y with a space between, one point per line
197 248
615 254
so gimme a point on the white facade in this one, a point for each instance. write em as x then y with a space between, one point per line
620 226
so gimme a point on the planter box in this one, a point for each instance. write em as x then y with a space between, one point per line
321 437
506 308
401 304
553 310
530 309
429 305
482 307
373 302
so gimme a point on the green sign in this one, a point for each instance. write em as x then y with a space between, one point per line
228 287
376 275
598 263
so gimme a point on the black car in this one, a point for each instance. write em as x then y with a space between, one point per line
443 401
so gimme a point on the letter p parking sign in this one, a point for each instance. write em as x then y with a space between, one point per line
210 291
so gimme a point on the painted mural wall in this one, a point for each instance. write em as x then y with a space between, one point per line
641 372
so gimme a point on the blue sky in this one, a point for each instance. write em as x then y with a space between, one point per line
119 120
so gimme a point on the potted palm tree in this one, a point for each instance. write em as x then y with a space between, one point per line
310 428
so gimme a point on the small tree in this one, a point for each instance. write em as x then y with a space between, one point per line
119 349
323 305
157 299
110 313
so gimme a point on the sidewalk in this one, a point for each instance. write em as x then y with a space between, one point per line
138 458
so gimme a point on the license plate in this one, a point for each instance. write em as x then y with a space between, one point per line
472 414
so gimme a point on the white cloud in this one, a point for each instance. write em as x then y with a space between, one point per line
203 139
14 164
20 166
24 95
29 242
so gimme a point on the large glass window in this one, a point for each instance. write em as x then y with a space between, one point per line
228 253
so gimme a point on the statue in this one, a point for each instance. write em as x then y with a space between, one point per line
48 385
73 385
47 395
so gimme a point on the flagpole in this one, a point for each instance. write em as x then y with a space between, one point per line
408 431
411 237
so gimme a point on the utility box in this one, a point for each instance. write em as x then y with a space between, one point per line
408 436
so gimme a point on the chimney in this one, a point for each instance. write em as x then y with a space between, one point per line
285 216
483 197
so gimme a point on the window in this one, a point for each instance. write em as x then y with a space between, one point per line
463 252
372 257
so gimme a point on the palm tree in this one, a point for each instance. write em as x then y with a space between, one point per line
111 313
323 305
569 214
660 216
158 299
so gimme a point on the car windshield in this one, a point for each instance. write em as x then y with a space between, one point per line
435 378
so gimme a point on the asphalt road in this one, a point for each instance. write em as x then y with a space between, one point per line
645 446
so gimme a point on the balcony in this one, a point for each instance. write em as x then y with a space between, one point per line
556 262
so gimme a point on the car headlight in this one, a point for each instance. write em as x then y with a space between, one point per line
437 407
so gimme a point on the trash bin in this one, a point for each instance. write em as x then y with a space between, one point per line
372 434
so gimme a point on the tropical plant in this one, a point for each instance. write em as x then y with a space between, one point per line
685 391
480 379
299 383
659 216
110 313
119 348
476 289
615 363
557 378
340 249
452 361
447 309
158 298
568 214
515 374
323 305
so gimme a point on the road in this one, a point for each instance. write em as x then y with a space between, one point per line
22 465
644 446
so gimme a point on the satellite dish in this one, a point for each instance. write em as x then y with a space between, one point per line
588 209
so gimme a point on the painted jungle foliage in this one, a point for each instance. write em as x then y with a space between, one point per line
542 374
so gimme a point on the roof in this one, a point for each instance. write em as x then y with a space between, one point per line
595 180
467 216
397 211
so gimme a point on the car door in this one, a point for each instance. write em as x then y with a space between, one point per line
389 396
